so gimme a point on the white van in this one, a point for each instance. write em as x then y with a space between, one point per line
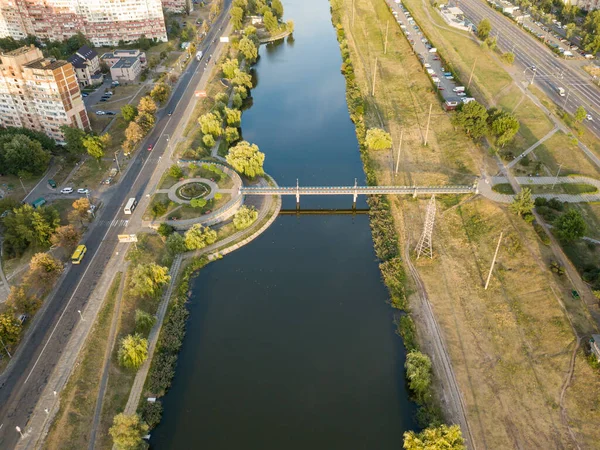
130 205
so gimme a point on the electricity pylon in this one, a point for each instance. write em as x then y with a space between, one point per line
425 245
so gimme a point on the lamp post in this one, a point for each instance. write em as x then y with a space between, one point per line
22 185
18 428
80 315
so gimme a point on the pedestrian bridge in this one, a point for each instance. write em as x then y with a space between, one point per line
356 190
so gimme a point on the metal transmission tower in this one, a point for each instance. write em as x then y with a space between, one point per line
425 245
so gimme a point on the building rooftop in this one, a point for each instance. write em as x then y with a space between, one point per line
125 63
45 64
19 51
87 52
77 61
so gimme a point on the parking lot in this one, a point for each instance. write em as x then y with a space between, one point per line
427 54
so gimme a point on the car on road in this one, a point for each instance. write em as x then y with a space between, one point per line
589 117
100 113
461 94
66 190
52 184
150 147
103 99
111 113
83 191
170 113
84 94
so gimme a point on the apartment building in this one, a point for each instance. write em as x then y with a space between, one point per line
39 93
87 66
125 65
103 22
177 6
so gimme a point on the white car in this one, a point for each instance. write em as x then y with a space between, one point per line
100 113
435 79
461 94
83 191
66 190
589 117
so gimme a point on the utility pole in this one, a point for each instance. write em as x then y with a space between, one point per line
117 161
472 71
387 27
556 177
374 77
399 151
353 11
493 262
428 121
533 76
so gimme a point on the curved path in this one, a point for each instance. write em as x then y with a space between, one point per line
172 191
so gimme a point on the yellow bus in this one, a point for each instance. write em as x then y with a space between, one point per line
78 254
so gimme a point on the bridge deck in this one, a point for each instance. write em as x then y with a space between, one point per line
356 190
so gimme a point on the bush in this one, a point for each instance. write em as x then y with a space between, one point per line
159 209
556 204
165 230
175 171
151 413
407 330
395 280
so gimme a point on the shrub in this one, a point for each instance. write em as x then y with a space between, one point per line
165 230
175 171
151 413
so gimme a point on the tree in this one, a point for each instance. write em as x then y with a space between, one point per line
175 172
81 207
237 101
289 26
418 373
248 49
73 139
165 230
580 114
221 97
143 322
133 351
246 159
233 117
270 22
21 154
28 226
508 58
210 123
472 118
231 134
197 203
242 91
570 226
129 112
134 132
95 145
199 237
523 203
241 78
145 121
21 301
244 217
44 267
9 328
443 437
208 141
229 67
570 30
491 42
378 139
147 105
160 93
66 237
147 279
484 28
127 431
504 126
176 244
277 8
237 17
250 30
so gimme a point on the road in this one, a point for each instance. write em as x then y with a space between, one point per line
32 365
551 71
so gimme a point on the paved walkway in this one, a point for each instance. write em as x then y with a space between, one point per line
172 191
533 147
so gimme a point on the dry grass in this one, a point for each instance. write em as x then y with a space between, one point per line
71 427
560 150
510 345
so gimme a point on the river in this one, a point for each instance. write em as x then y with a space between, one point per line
290 343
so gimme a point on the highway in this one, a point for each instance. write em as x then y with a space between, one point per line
32 365
551 71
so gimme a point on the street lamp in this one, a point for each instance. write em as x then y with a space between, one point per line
18 428
80 315
22 185
533 70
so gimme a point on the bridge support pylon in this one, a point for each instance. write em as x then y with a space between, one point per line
297 194
355 194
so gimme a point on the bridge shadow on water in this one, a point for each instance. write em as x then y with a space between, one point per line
324 212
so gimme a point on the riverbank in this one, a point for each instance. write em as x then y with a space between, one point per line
496 336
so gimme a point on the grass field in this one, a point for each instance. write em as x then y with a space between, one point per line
511 345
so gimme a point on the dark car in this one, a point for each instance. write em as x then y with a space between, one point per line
103 99
111 113
52 184
170 113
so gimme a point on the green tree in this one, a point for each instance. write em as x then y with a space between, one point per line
248 49
580 114
508 58
270 22
237 101
378 139
210 123
133 351
229 67
176 244
418 373
472 118
66 237
277 8
147 279
250 30
570 226
143 322
233 117
523 203
231 134
484 28
199 237
127 431
242 91
21 154
165 230
146 121
570 30
246 159
237 18
504 125
175 172
289 26
28 226
244 217
95 145
73 140
129 112
492 42
197 203
208 141
10 328
221 97
147 105
160 93
443 437
242 78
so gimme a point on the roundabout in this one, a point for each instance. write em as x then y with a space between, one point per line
191 188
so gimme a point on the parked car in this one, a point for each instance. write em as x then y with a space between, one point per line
52 184
103 99
84 94
111 113
83 191
23 318
66 190
461 94
100 113
589 117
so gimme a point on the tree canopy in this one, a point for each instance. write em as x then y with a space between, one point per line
246 159
244 217
241 78
472 118
147 105
10 328
277 8
147 279
248 49
134 132
580 114
22 155
237 17
270 21
570 226
522 203
418 373
133 351
483 29
73 139
443 437
127 431
378 139
129 112
199 237
210 123
160 93
233 117
95 145
229 66
504 125
44 267
27 226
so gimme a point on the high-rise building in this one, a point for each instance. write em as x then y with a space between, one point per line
177 6
103 22
39 93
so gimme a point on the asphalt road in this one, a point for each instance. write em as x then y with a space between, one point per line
22 384
551 71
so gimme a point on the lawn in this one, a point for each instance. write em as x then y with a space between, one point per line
98 123
123 95
90 173
503 188
562 188
561 150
